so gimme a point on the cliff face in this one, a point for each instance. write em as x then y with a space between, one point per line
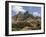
25 21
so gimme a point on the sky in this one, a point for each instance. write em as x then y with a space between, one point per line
36 11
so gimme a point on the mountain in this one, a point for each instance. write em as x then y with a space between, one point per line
22 21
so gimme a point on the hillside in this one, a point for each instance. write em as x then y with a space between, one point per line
25 21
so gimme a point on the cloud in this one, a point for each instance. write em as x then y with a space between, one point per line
17 9
36 14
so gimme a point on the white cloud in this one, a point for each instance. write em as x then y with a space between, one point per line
18 8
36 14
